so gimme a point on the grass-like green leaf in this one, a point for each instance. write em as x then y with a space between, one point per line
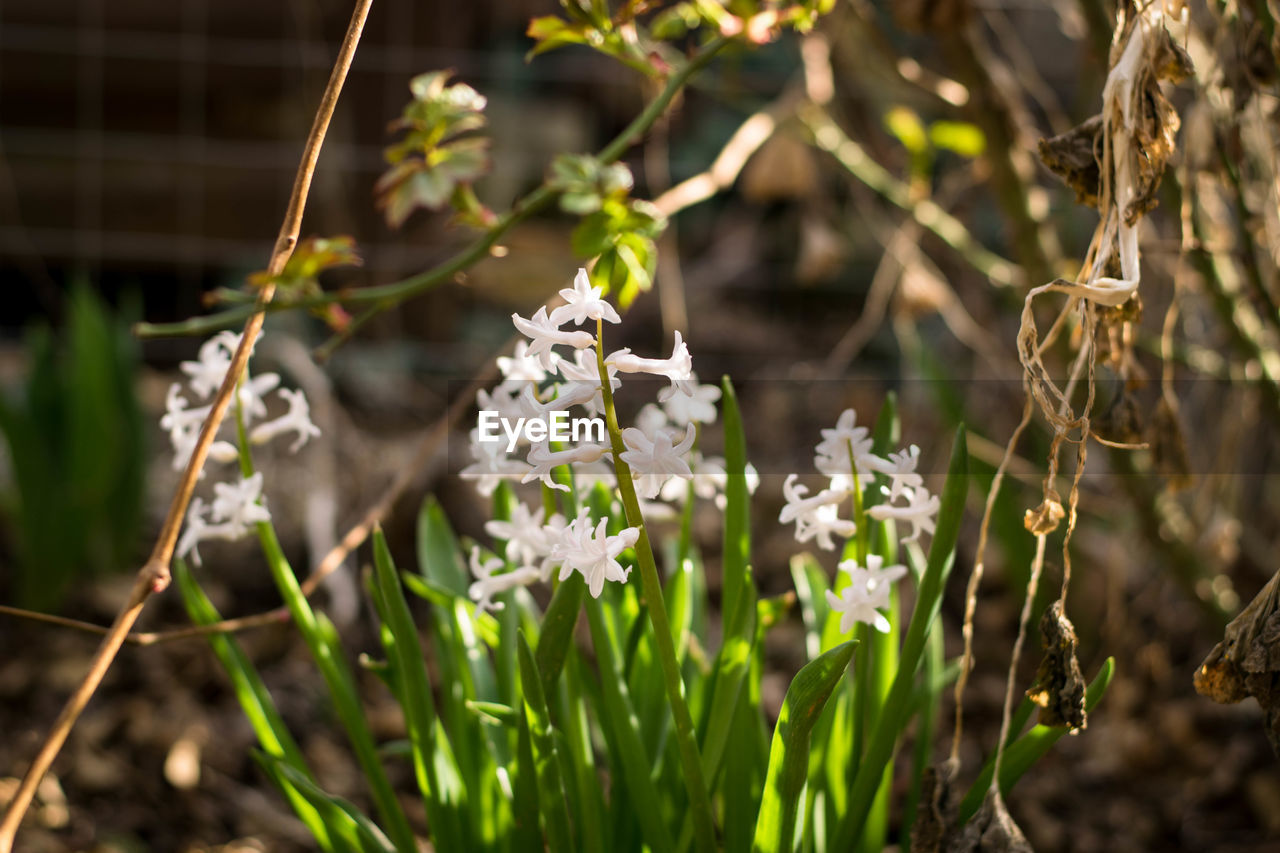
552 798
892 717
811 585
404 653
439 558
732 666
737 512
466 674
557 629
622 729
322 640
255 701
789 754
1022 752
355 830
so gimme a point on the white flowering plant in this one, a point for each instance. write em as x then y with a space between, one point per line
510 740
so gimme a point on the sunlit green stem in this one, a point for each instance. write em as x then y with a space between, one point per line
862 662
375 300
690 761
322 640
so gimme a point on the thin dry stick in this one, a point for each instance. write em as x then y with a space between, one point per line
1082 451
154 576
975 579
1006 719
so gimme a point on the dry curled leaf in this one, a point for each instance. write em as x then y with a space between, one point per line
992 830
1155 137
1059 685
1044 519
1072 156
1156 124
1247 661
935 823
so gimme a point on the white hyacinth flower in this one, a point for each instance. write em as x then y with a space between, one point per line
235 509
655 460
183 426
652 420
238 502
297 420
524 534
552 531
833 452
197 530
491 465
697 407
678 368
708 480
488 584
520 367
584 369
584 302
502 399
213 361
177 416
593 552
919 512
821 523
568 395
901 470
866 594
252 391
544 333
542 459
810 517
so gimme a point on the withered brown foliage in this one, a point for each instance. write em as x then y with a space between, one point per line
992 830
1075 156
1044 519
1247 661
1059 686
936 820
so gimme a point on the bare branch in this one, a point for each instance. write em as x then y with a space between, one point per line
154 576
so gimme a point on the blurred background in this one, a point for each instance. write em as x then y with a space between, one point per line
146 154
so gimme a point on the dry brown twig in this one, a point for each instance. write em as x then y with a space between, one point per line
154 576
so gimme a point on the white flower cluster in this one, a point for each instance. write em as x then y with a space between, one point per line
866 594
538 380
843 450
237 505
535 548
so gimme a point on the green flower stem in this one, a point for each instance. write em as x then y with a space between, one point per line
386 296
686 739
862 704
322 641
